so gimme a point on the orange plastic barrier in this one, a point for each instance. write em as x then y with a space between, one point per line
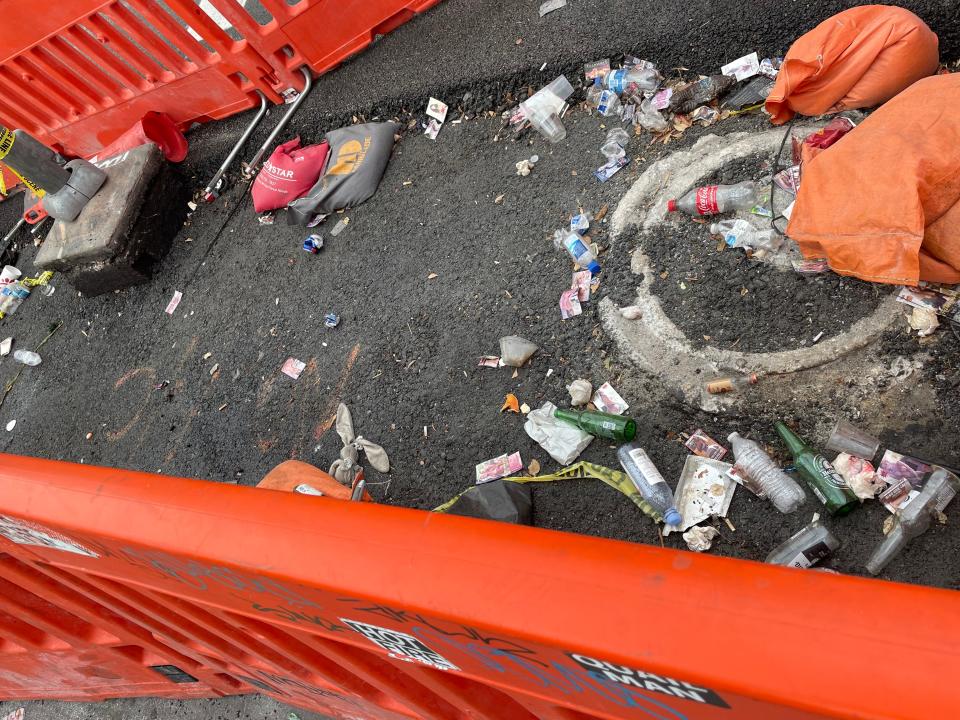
80 72
120 583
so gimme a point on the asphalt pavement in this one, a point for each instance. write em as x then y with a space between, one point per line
452 253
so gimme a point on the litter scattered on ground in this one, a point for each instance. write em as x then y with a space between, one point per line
608 400
703 491
550 5
569 304
859 474
5 346
562 441
515 351
511 403
700 539
293 368
705 446
805 548
580 391
631 312
173 304
904 477
331 320
498 467
11 425
346 469
313 243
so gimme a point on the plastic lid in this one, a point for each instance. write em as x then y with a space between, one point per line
593 267
597 82
672 206
672 517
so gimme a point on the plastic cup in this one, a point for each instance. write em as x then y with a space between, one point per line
9 274
850 439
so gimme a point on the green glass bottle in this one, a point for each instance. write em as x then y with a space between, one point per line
826 483
600 424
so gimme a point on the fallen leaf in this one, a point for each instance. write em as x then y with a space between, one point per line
743 291
534 468
664 275
707 338
431 276
601 213
511 403
573 172
518 41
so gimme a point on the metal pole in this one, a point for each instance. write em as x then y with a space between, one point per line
210 193
250 168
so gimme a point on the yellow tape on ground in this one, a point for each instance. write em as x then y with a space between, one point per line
6 142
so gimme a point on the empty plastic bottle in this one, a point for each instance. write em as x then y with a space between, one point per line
12 297
643 78
782 490
609 103
578 250
649 118
700 93
615 144
806 548
649 481
594 92
741 234
27 357
914 519
713 199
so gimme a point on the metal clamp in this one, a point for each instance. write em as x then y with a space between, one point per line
212 191
250 168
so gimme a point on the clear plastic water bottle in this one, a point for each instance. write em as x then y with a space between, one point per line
713 199
615 144
594 92
741 234
645 79
781 489
12 297
578 250
27 357
609 103
648 480
914 519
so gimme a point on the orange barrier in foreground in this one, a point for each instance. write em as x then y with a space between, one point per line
117 583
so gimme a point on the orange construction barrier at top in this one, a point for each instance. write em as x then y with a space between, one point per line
81 72
118 583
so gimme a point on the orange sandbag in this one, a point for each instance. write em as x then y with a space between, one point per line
883 203
859 58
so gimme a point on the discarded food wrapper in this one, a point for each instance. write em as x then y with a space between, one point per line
705 446
788 179
510 403
293 368
331 320
607 171
743 68
581 283
811 267
580 391
570 304
490 361
924 321
608 400
631 312
860 475
515 351
498 467
437 109
5 346
740 477
313 243
705 114
700 539
433 128
550 5
267 218
704 491
661 100
770 67
496 500
945 304
598 69
905 477
172 305
562 441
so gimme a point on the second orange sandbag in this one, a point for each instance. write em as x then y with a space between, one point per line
883 203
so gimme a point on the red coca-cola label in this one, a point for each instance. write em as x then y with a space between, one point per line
707 200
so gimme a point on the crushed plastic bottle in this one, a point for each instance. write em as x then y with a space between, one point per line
700 93
741 234
649 482
645 79
782 490
913 520
580 223
12 297
649 118
805 548
578 250
714 199
615 144
594 92
27 357
609 103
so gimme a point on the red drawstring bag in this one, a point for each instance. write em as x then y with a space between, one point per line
289 173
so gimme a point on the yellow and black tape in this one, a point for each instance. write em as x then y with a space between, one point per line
6 142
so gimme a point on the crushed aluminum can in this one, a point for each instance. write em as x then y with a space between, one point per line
331 320
313 243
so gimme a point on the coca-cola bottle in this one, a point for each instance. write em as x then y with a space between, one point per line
713 199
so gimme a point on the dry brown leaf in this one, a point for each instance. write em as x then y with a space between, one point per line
511 403
534 468
601 213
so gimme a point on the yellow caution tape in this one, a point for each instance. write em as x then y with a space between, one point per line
6 142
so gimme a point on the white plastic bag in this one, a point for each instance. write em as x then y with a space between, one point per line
563 441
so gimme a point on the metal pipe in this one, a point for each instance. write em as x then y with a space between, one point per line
9 236
210 192
250 168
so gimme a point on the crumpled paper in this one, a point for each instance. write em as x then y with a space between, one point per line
564 442
700 539
860 475
580 391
